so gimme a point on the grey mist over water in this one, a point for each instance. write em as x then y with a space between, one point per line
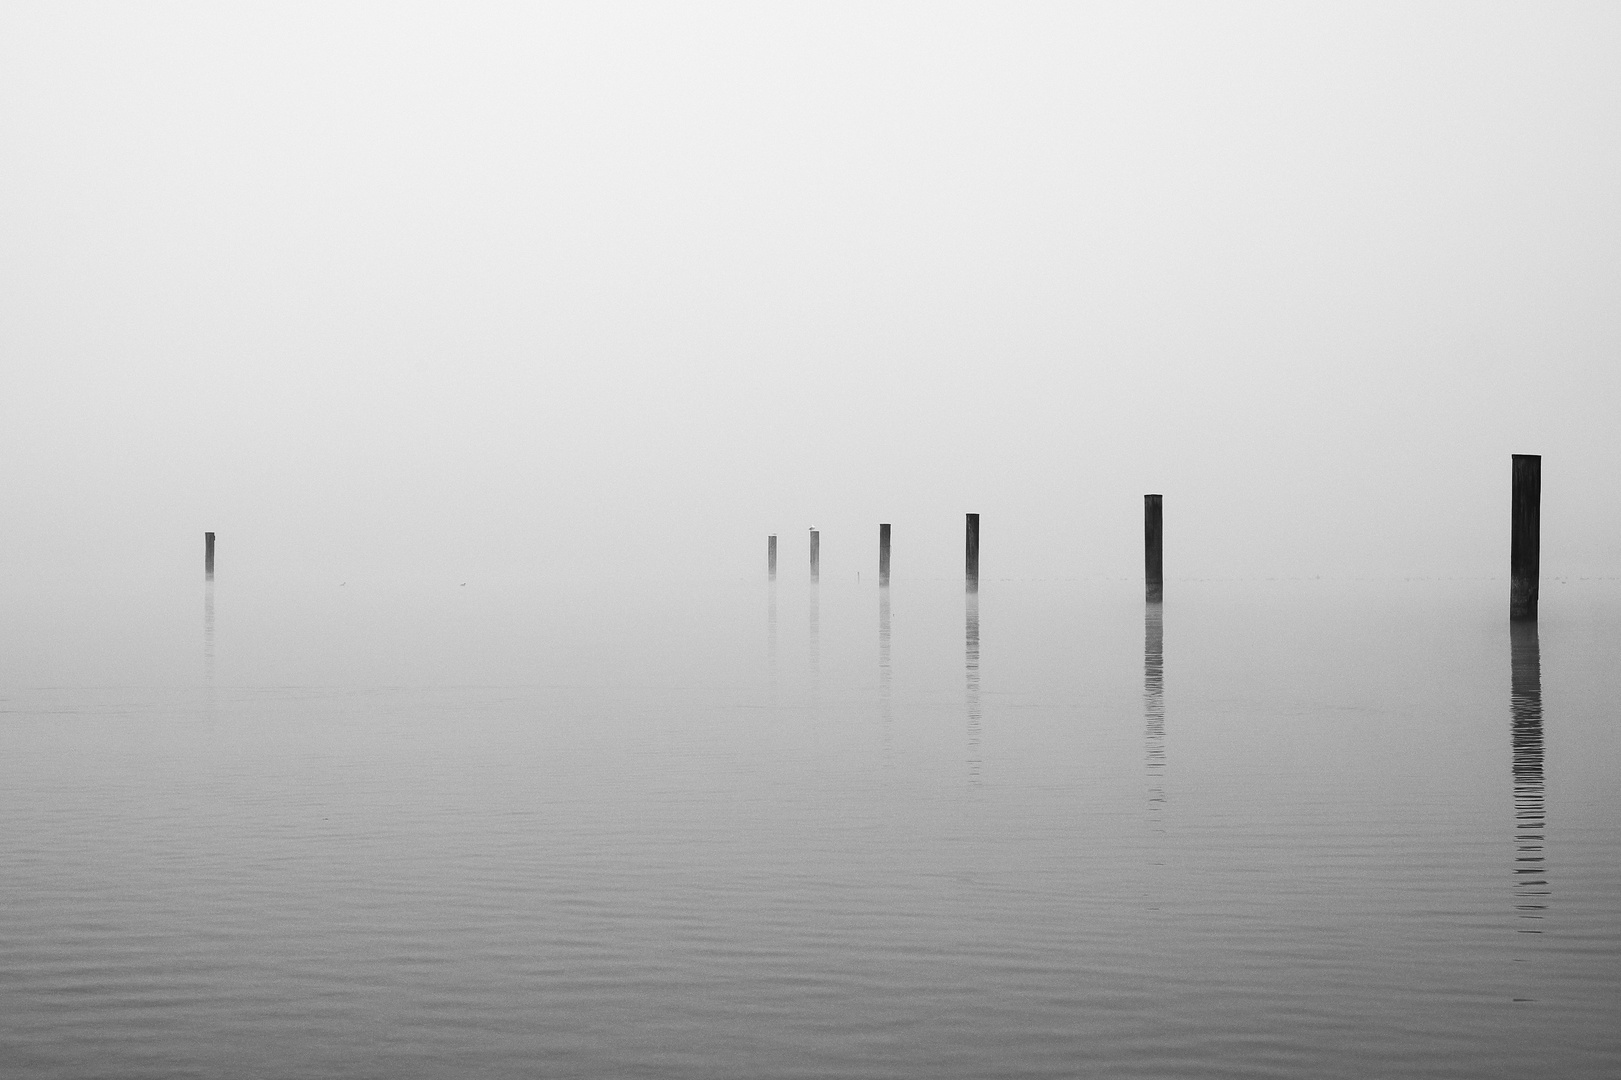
1335 829
489 342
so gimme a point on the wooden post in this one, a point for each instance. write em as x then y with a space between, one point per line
971 553
1154 548
1525 554
208 555
816 556
771 556
883 556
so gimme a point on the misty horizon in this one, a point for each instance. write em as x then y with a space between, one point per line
471 292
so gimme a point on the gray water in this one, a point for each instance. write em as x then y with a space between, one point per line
1272 828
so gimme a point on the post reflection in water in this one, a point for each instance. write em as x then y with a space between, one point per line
884 714
208 632
815 643
1154 708
1530 820
971 658
771 637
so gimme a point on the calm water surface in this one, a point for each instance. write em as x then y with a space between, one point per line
1273 828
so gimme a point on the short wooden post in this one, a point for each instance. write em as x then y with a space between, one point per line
883 556
1525 553
971 553
1154 548
208 555
771 556
816 556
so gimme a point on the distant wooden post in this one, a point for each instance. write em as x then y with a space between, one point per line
971 553
1525 554
771 556
1154 548
208 555
816 556
883 556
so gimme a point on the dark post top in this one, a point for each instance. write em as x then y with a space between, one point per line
816 555
1525 549
208 554
883 554
771 555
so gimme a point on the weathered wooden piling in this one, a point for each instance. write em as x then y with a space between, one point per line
816 556
771 556
883 556
1153 548
208 555
971 553
1525 553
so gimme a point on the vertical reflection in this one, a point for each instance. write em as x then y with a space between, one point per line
1154 707
208 643
971 657
815 644
771 636
1530 821
208 632
884 714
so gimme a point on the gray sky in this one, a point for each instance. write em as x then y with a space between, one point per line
466 289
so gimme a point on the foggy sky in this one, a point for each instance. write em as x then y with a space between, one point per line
565 291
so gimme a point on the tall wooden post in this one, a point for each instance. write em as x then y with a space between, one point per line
971 553
883 556
208 555
816 556
1525 554
771 556
1154 548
